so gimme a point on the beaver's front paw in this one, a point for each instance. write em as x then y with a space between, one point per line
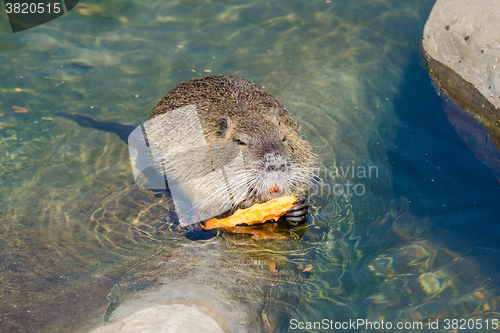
297 215
196 232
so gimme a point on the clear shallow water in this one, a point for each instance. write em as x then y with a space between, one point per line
74 228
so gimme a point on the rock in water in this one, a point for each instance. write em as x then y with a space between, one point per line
462 48
463 35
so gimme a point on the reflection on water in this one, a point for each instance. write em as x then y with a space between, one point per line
74 227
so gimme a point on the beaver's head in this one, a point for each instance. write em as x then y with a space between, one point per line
278 161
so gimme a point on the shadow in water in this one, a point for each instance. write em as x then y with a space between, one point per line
439 175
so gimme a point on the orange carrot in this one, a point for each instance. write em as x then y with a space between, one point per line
258 213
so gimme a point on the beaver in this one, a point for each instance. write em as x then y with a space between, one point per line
277 160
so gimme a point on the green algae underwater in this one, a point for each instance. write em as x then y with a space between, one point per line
78 237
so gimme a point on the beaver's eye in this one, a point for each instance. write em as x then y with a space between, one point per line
284 139
241 143
223 127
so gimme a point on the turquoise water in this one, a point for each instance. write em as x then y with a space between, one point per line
77 234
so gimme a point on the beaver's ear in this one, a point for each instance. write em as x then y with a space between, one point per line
275 112
224 124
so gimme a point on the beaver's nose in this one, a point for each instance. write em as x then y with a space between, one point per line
276 167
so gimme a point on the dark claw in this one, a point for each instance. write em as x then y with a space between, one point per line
297 215
298 207
300 201
296 221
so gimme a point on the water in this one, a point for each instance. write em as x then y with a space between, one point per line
420 244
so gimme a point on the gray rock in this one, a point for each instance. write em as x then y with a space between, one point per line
180 315
205 284
461 42
464 35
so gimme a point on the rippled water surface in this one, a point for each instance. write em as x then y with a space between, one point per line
418 242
